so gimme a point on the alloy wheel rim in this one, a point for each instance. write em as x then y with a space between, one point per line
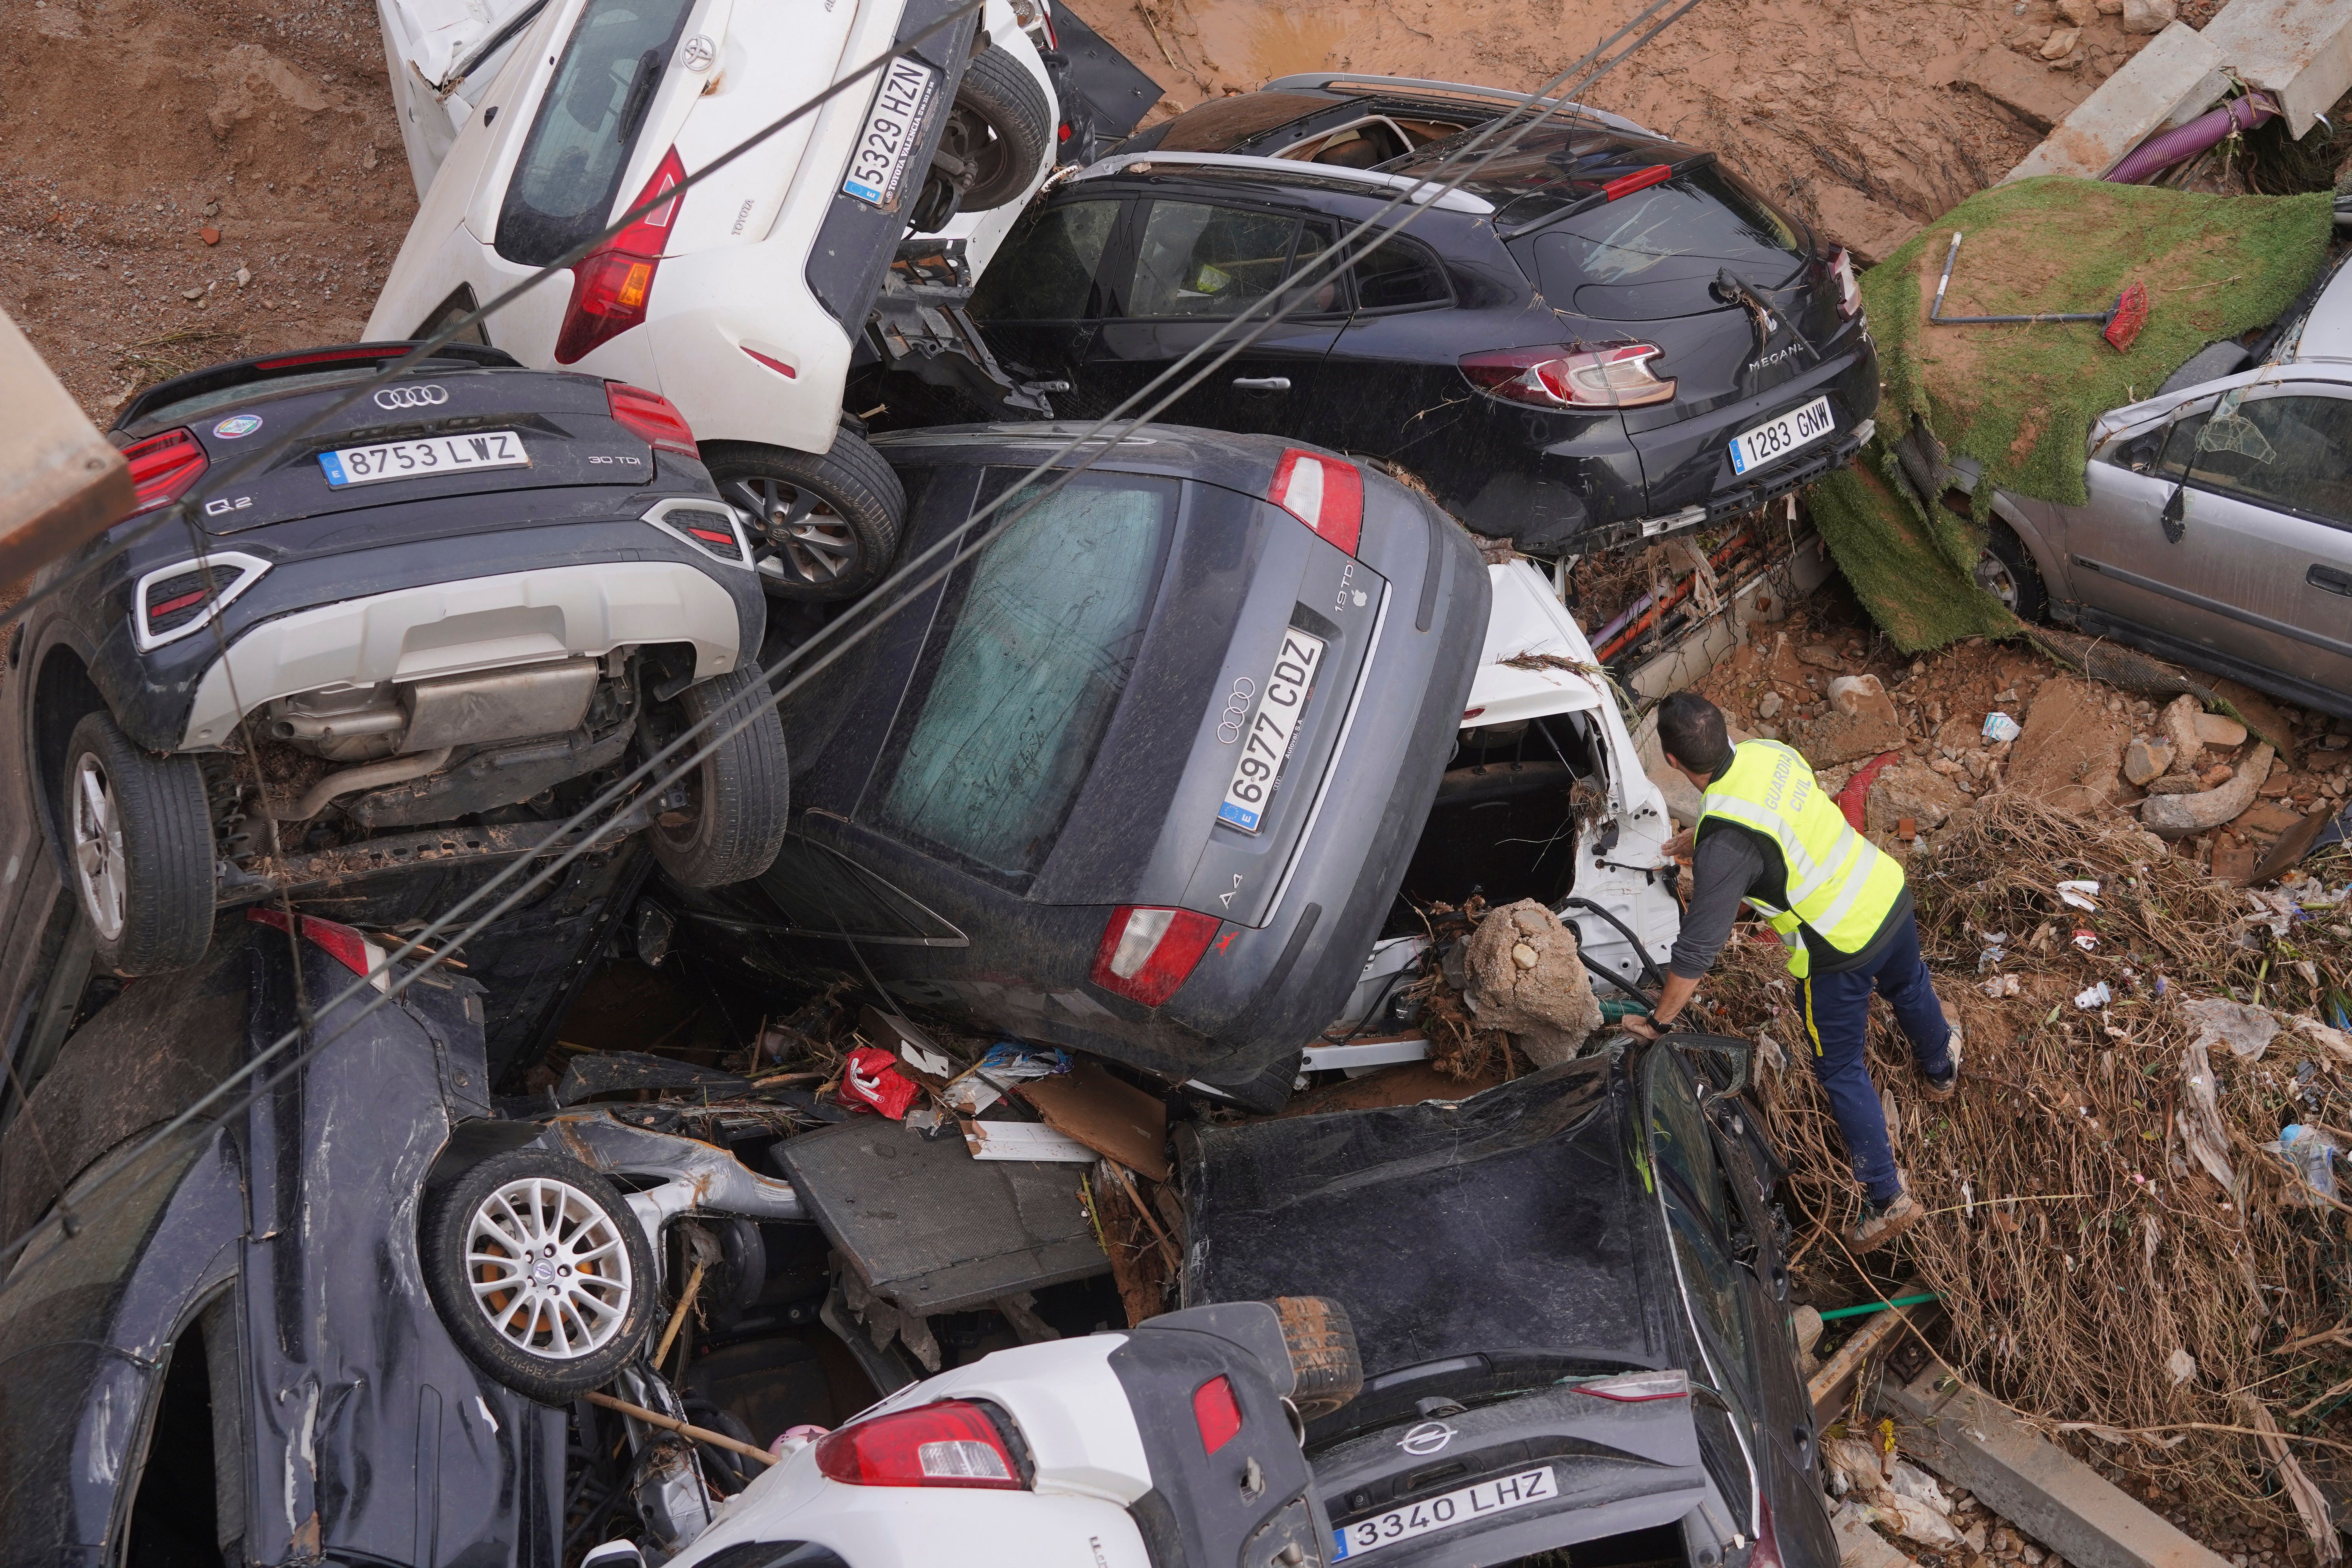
101 867
807 539
1994 577
548 1268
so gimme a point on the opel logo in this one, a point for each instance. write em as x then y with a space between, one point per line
1229 728
699 51
427 397
1426 1438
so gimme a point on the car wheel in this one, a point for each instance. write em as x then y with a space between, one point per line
140 841
1001 127
738 800
1323 1354
2006 570
540 1272
824 527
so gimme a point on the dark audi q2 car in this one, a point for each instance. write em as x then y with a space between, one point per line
1585 1350
467 598
1603 335
1142 776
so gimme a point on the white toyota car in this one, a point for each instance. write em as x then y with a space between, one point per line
744 300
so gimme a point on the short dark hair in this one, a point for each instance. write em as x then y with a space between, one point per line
1690 729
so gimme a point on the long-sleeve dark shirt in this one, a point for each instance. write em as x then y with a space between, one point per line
1733 862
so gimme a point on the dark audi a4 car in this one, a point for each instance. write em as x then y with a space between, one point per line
1603 335
1143 776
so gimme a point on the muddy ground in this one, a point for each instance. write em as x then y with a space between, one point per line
150 152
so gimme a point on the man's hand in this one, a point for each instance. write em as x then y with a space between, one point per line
1638 1027
1679 847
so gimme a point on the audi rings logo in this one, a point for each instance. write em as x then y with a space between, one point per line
427 397
1229 728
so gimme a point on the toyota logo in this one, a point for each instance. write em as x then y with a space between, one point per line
699 51
1229 728
427 397
1426 1438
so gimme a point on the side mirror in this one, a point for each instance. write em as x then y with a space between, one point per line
2175 508
614 1554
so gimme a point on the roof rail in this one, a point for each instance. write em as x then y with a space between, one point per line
1322 81
1423 193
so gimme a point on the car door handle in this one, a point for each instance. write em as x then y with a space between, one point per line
1263 382
2329 579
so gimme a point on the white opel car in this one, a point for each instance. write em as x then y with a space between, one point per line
743 300
1177 1442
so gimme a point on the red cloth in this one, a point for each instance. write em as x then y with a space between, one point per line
872 1081
1856 793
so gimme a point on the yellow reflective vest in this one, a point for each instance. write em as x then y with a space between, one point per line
1839 883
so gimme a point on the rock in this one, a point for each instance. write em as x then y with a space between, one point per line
2267 818
1768 705
2110 7
1909 791
2029 1556
1944 765
2234 859
2071 751
1548 1007
2149 17
2060 44
2179 816
2175 784
2145 761
1820 656
1807 1322
2179 722
209 234
1974 1535
1837 737
2078 12
2217 775
244 276
2219 731
191 293
1523 955
1856 695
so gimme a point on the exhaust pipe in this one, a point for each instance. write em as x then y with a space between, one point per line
368 776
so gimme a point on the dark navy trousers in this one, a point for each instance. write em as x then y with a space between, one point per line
1837 1020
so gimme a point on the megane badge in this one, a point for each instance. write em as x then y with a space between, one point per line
1426 1438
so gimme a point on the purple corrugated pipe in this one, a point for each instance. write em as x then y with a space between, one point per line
2158 153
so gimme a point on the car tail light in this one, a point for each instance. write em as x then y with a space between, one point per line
164 467
345 945
951 1444
172 601
1145 953
652 417
708 527
1636 1387
1617 377
1216 1412
1324 493
1849 287
611 284
1639 180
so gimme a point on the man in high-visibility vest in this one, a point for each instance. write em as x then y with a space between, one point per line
1768 836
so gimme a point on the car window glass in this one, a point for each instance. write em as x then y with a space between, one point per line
1045 271
1197 260
1682 230
1023 669
1680 1145
821 891
1324 292
1400 273
2284 452
569 171
187 408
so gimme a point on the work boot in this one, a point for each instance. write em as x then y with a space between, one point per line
1949 1085
1883 1222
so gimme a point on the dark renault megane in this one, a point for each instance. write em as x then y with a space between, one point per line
1603 335
1145 774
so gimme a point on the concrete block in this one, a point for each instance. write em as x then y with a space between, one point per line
2299 51
1859 1546
2027 89
2178 73
1973 1441
66 482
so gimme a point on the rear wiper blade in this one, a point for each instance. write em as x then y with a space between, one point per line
1733 290
1624 185
490 45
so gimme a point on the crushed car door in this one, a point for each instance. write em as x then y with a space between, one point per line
1196 270
1398 358
1042 298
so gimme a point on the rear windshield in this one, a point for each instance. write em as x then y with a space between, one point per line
187 408
569 171
1021 676
1684 231
1217 125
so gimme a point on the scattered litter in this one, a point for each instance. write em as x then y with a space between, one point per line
2308 1149
1999 727
1103 1113
1005 1065
2180 1366
2088 941
2081 895
2247 1031
871 1079
2002 985
1991 959
1024 1140
2095 998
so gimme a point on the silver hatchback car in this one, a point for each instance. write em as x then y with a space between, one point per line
2219 528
